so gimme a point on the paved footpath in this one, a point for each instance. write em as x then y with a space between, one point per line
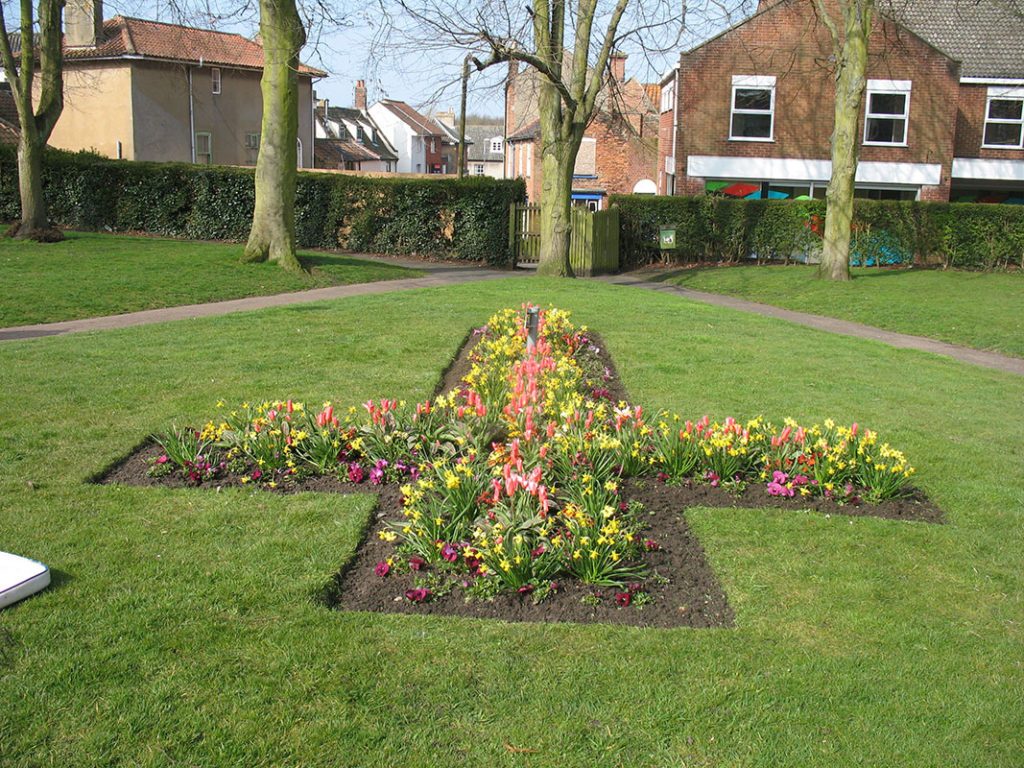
844 327
446 274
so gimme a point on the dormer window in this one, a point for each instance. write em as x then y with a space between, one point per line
215 80
496 145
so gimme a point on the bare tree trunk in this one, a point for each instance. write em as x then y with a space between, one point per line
555 215
34 222
273 222
851 53
36 126
558 159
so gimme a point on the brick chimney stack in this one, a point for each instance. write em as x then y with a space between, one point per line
361 95
617 67
83 23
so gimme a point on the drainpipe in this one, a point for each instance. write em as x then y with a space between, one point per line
191 118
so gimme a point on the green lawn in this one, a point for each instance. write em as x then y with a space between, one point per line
975 309
90 275
181 628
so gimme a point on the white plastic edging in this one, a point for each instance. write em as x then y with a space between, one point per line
20 577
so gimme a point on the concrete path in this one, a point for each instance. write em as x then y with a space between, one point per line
454 274
436 275
844 327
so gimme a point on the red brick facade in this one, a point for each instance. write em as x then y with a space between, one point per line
625 141
786 41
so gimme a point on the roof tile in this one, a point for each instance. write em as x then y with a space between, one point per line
125 36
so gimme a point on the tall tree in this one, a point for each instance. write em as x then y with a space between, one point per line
273 221
568 45
850 49
36 124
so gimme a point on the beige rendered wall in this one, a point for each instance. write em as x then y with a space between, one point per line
161 98
101 102
97 110
160 106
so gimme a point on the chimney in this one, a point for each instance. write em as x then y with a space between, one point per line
361 95
617 67
83 23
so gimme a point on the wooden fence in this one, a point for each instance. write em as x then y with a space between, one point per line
593 249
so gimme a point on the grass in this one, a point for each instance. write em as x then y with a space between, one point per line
91 275
984 310
182 627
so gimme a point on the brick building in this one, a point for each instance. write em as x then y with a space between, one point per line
619 149
751 110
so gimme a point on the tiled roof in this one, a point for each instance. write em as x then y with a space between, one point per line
331 152
479 148
8 109
373 142
8 134
125 36
986 36
423 126
10 125
530 131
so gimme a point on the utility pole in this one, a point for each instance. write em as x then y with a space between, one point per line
462 119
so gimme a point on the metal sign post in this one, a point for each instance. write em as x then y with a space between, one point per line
532 327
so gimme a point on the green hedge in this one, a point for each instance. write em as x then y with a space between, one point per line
713 228
441 217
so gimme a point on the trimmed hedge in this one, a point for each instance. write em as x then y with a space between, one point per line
713 228
441 217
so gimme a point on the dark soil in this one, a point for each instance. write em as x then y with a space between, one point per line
680 588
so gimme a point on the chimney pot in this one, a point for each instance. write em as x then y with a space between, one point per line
617 67
83 23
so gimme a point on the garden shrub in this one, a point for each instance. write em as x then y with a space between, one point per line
440 217
714 228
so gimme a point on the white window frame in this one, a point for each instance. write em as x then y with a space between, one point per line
478 169
204 138
997 93
496 146
215 80
668 98
887 87
751 83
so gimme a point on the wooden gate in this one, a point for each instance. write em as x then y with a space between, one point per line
593 249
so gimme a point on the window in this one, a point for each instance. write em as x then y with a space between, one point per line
668 97
478 169
753 108
215 80
1004 118
204 148
888 107
496 145
252 148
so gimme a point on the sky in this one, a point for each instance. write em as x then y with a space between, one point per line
426 79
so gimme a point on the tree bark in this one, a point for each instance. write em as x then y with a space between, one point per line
851 53
273 222
35 126
559 147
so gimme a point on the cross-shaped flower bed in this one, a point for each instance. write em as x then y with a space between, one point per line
512 482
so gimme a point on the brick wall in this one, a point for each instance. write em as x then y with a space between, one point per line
789 42
970 126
